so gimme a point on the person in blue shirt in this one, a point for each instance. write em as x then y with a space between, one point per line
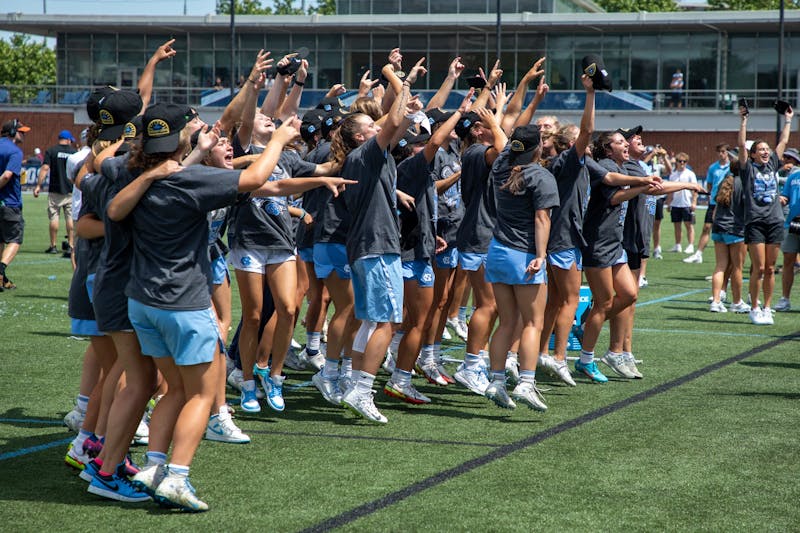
790 197
12 225
717 172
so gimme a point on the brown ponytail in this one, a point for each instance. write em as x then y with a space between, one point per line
343 139
725 192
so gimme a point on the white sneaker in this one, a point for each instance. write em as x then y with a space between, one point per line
446 335
657 253
459 327
630 363
221 428
677 248
324 337
643 282
474 378
759 318
388 363
723 296
718 307
407 393
177 491
512 367
294 360
149 478
563 373
784 304
768 315
329 388
740 307
364 406
235 380
498 394
431 372
295 345
142 435
316 361
528 394
74 419
689 249
696 257
617 364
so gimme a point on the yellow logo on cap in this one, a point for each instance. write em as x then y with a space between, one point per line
130 131
157 128
106 117
591 69
517 146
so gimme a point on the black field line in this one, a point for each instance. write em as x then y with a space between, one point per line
367 437
437 479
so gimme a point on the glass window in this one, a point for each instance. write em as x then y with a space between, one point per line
644 62
180 62
443 42
104 65
533 6
80 41
300 40
357 41
201 67
360 7
251 41
197 41
472 6
508 42
534 42
385 42
153 41
386 7
414 6
329 41
329 69
222 67
357 63
278 43
79 67
343 7
104 42
414 41
742 54
448 7
702 71
438 64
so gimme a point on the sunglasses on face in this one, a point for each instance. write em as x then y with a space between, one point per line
681 161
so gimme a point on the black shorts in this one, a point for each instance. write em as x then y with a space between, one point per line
763 232
709 215
12 225
634 259
660 208
681 214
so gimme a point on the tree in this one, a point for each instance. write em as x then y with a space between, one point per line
279 7
634 6
749 5
26 63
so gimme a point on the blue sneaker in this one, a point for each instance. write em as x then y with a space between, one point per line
249 401
591 371
273 387
89 471
117 487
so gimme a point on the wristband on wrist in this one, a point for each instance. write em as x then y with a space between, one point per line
251 81
300 83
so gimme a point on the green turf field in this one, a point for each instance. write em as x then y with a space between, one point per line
708 441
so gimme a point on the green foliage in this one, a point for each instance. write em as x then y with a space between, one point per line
749 5
26 62
279 7
634 6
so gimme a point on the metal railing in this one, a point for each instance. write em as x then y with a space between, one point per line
72 96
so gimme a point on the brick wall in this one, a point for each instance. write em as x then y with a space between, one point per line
44 128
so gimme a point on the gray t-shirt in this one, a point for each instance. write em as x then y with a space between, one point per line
171 264
566 221
451 208
515 224
475 231
635 235
418 226
372 203
760 185
603 222
730 218
314 200
264 223
113 270
87 256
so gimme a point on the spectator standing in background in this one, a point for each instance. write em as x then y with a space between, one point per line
682 204
12 225
59 196
676 88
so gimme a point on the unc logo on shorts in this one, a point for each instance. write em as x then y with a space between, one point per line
273 208
427 277
246 260
347 268
446 260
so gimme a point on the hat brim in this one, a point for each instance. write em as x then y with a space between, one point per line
23 129
522 158
792 156
111 133
161 145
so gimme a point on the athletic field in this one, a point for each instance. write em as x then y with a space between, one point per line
708 441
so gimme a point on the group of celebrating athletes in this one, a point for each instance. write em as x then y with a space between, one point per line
403 206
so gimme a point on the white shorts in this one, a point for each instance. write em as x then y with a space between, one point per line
258 260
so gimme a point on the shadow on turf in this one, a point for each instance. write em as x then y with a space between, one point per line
767 364
16 417
42 297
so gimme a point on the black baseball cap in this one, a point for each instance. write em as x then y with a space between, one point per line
116 110
330 103
412 137
437 116
93 102
464 124
523 142
163 124
332 118
594 67
629 133
311 124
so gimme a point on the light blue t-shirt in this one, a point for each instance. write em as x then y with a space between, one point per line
716 173
791 190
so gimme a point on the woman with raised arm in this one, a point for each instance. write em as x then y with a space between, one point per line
763 214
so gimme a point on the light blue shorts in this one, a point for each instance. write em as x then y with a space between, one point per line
306 254
219 271
566 258
471 261
419 270
622 259
90 287
189 337
378 288
448 258
330 257
726 238
85 327
507 265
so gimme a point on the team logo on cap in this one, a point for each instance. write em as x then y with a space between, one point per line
591 69
157 128
106 117
311 129
130 130
402 142
517 146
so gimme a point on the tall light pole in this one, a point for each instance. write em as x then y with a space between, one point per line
498 30
233 46
780 67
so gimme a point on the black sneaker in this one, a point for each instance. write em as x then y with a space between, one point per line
67 253
51 250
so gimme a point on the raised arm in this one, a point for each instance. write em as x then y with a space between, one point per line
785 132
453 73
587 120
518 100
396 117
500 139
527 115
292 103
145 85
741 140
442 134
125 201
277 92
260 170
494 76
247 95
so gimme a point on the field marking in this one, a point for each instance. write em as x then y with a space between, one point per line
668 298
34 449
692 332
367 437
392 498
30 421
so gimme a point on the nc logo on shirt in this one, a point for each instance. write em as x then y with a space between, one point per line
765 187
273 208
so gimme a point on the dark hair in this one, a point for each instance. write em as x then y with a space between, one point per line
515 184
725 192
753 146
599 149
343 139
723 146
